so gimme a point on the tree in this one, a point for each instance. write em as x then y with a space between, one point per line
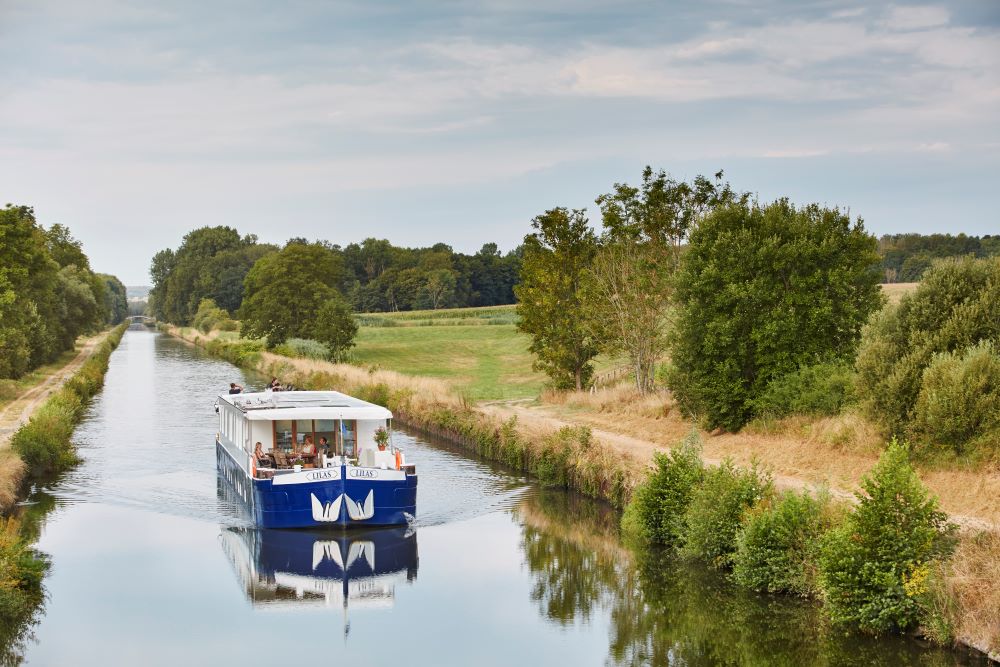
761 291
627 299
335 326
283 292
549 296
116 299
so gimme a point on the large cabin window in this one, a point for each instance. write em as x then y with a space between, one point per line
283 435
327 428
303 427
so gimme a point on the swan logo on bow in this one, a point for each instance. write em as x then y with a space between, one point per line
355 510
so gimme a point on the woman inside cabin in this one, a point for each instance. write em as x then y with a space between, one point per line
260 456
308 449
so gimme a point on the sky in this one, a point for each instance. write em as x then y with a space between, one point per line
135 122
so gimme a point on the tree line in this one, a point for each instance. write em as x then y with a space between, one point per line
49 295
308 290
905 257
746 310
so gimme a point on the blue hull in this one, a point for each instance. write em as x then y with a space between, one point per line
340 500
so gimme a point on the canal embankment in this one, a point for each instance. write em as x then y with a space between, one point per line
569 455
35 427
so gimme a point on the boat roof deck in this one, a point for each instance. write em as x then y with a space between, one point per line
275 405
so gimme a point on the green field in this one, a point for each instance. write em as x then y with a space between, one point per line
482 362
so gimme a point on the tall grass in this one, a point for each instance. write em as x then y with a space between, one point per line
44 442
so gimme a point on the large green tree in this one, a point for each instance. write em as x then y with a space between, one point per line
284 292
556 255
762 290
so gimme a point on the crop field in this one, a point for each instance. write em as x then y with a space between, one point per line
895 291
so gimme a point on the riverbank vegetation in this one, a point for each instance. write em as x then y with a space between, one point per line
49 295
45 442
869 564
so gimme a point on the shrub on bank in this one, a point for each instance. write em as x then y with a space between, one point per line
242 352
44 442
209 316
959 400
657 511
778 547
874 567
819 389
717 509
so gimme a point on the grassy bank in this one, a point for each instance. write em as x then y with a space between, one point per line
43 446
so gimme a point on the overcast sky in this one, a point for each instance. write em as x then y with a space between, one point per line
135 122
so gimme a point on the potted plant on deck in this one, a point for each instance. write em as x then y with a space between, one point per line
381 438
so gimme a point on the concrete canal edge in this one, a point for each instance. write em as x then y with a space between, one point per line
570 460
95 354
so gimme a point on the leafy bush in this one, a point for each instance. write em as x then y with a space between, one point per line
717 509
335 327
303 347
873 568
659 505
777 549
959 398
819 389
22 569
8 390
956 306
209 316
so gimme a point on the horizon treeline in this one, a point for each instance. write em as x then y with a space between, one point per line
905 257
371 276
49 295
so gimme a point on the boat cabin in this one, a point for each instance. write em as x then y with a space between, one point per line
303 429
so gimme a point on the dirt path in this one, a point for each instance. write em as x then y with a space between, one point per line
20 410
642 451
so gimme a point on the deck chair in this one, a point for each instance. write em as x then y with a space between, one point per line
281 461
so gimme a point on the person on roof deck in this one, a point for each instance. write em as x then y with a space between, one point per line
235 388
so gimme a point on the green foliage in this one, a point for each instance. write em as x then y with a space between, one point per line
44 443
818 389
955 307
717 509
285 291
777 548
556 256
48 294
874 567
959 400
22 569
763 290
335 327
211 263
209 316
304 348
244 353
905 257
115 299
658 508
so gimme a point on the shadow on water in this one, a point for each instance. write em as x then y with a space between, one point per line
667 611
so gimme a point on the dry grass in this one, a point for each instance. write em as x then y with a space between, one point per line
12 471
971 585
895 291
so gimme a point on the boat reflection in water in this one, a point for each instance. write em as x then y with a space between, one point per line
357 568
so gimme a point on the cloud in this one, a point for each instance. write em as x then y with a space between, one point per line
916 18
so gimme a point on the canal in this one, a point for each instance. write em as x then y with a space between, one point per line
152 564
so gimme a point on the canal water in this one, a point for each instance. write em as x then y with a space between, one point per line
152 563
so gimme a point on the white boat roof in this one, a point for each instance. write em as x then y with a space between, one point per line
275 405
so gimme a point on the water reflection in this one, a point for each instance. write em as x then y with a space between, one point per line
665 611
350 569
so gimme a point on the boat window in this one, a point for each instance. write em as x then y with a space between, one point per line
327 428
283 435
303 427
349 433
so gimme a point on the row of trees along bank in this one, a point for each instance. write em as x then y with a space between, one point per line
49 295
764 310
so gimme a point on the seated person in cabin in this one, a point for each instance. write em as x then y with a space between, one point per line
324 446
235 388
308 449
